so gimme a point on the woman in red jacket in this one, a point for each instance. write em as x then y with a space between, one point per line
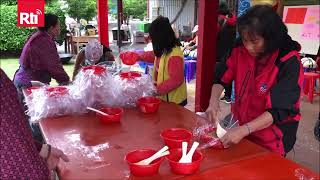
268 75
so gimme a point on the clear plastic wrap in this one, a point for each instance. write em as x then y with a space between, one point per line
93 50
303 174
93 87
134 87
51 102
205 132
96 87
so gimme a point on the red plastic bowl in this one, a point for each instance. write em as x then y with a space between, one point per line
114 115
173 137
149 104
143 170
184 168
29 90
129 58
57 91
130 75
98 70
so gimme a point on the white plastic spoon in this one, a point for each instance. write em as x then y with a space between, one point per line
98 111
184 151
188 157
160 153
191 152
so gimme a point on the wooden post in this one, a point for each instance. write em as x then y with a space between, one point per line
207 21
102 6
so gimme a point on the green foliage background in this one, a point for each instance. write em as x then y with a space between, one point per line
82 9
12 37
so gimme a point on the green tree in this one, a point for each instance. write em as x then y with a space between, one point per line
136 8
12 37
14 2
82 9
55 7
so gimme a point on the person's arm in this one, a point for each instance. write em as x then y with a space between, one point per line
176 73
19 154
54 65
282 99
235 135
77 65
147 56
224 74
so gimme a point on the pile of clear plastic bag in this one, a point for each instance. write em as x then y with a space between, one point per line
93 50
92 87
52 101
133 88
96 87
205 132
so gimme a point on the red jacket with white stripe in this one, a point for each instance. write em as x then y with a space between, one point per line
274 87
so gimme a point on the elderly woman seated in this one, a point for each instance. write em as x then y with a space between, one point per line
93 54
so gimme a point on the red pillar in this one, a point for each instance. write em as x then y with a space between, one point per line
102 6
207 21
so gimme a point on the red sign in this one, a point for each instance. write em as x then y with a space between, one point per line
30 13
295 15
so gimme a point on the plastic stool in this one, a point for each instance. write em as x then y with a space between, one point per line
310 78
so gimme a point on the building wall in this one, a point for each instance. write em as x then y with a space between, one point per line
170 8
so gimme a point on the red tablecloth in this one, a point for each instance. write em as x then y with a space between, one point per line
265 167
97 150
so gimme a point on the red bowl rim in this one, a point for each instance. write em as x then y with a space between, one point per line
189 133
30 89
175 162
158 100
119 108
96 68
149 165
133 75
57 91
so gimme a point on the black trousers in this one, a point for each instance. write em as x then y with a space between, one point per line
227 87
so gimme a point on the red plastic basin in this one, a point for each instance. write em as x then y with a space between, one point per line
149 104
184 168
129 58
173 137
57 91
143 170
98 70
130 75
114 115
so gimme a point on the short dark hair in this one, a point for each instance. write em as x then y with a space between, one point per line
262 20
49 21
223 8
162 36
